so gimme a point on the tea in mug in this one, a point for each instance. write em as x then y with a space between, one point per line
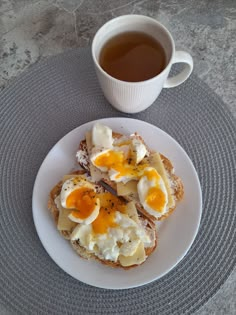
132 57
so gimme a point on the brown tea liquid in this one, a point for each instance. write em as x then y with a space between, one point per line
132 57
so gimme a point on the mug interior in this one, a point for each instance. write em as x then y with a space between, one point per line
136 23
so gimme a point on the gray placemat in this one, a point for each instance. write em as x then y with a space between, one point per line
43 105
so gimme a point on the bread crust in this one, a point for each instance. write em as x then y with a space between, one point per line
80 250
175 181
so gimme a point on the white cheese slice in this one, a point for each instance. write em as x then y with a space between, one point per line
136 259
127 189
132 211
83 233
64 223
129 248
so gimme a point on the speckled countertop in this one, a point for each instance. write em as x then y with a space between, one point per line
32 30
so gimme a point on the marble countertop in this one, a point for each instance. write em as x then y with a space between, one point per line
32 30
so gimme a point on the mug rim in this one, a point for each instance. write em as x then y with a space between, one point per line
125 17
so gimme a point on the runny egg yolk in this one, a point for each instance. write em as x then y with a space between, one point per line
156 199
117 161
106 218
83 200
110 159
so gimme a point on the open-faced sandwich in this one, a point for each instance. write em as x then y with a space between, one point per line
99 224
108 210
135 172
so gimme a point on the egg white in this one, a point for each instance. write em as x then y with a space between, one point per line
134 144
139 150
102 136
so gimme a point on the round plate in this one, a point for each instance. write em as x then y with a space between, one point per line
175 234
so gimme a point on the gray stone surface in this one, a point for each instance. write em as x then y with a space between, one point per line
32 30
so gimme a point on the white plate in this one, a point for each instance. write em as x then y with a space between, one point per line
175 234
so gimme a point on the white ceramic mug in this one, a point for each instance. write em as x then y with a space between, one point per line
133 97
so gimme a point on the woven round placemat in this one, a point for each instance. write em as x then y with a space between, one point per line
38 109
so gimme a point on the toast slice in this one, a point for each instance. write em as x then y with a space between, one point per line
128 191
142 252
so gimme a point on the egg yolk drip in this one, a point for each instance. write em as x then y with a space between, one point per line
155 198
106 218
117 161
83 200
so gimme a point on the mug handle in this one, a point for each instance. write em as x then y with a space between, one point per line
183 57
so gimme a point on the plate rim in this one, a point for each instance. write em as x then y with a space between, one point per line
198 187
